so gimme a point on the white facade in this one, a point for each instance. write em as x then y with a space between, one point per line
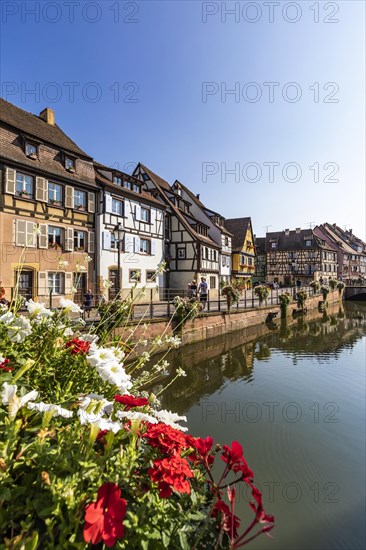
142 244
225 260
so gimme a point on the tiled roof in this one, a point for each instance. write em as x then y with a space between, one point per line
155 178
295 240
336 238
238 227
35 126
143 196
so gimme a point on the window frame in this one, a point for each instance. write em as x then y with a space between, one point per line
148 212
77 193
60 289
148 247
152 277
132 278
54 241
70 163
118 202
77 240
181 253
31 154
27 195
117 180
61 189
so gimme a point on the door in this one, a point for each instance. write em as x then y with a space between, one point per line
80 285
24 280
113 279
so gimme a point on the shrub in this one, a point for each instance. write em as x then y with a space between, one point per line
262 292
301 298
285 300
232 295
341 286
185 309
332 283
315 286
325 291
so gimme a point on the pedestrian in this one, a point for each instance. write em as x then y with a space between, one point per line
203 291
88 301
192 289
321 281
298 283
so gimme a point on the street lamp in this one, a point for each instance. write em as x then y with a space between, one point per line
118 233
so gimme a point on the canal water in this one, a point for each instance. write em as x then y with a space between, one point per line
294 396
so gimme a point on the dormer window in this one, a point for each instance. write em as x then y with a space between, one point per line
136 188
308 242
31 150
127 185
145 177
70 164
273 245
117 180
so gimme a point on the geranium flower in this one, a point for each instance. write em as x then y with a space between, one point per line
167 439
229 521
203 450
129 401
4 364
260 515
103 518
78 346
235 460
171 473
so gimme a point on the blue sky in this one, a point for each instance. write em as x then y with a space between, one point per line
149 81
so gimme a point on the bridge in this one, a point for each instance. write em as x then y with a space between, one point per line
355 293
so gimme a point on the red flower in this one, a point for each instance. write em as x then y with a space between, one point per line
129 401
228 520
78 346
260 514
167 439
171 473
4 367
202 447
103 519
235 460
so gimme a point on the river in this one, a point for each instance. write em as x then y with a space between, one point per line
294 396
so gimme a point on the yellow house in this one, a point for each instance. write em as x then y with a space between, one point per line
243 249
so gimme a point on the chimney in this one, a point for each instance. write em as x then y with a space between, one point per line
287 232
350 231
298 229
48 115
198 196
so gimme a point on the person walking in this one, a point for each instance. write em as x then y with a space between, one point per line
203 291
88 301
192 289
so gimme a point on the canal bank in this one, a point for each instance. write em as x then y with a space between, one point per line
211 325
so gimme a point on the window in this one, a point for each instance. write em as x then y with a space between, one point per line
273 245
145 177
114 242
79 240
223 261
150 276
308 242
117 180
24 186
54 193
56 283
117 207
70 164
181 253
136 188
135 276
226 241
127 185
145 215
145 246
250 261
54 236
79 200
31 150
212 282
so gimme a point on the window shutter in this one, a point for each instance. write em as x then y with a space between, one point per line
129 243
91 242
31 235
91 202
10 178
106 238
20 228
136 247
43 236
68 283
127 209
42 284
153 247
69 197
137 212
69 241
108 204
41 189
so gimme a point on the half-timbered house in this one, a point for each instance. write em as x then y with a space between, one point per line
243 249
260 259
189 251
47 207
299 254
140 217
216 228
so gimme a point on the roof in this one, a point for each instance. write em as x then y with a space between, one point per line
164 187
295 240
260 245
336 238
238 227
123 191
35 126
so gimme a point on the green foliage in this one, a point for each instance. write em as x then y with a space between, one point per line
341 286
325 291
301 298
333 283
232 295
315 286
185 309
285 300
262 292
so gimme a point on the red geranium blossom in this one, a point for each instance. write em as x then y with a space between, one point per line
4 367
129 401
260 514
171 473
167 439
202 447
228 520
103 519
78 346
235 460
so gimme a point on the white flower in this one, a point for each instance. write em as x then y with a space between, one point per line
2 359
35 309
175 341
7 318
9 397
145 356
158 341
80 268
92 338
92 408
99 356
45 407
87 258
110 425
74 290
62 263
118 353
69 305
170 419
107 283
135 415
19 329
114 374
181 372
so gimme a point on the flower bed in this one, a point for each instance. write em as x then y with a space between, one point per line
88 458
